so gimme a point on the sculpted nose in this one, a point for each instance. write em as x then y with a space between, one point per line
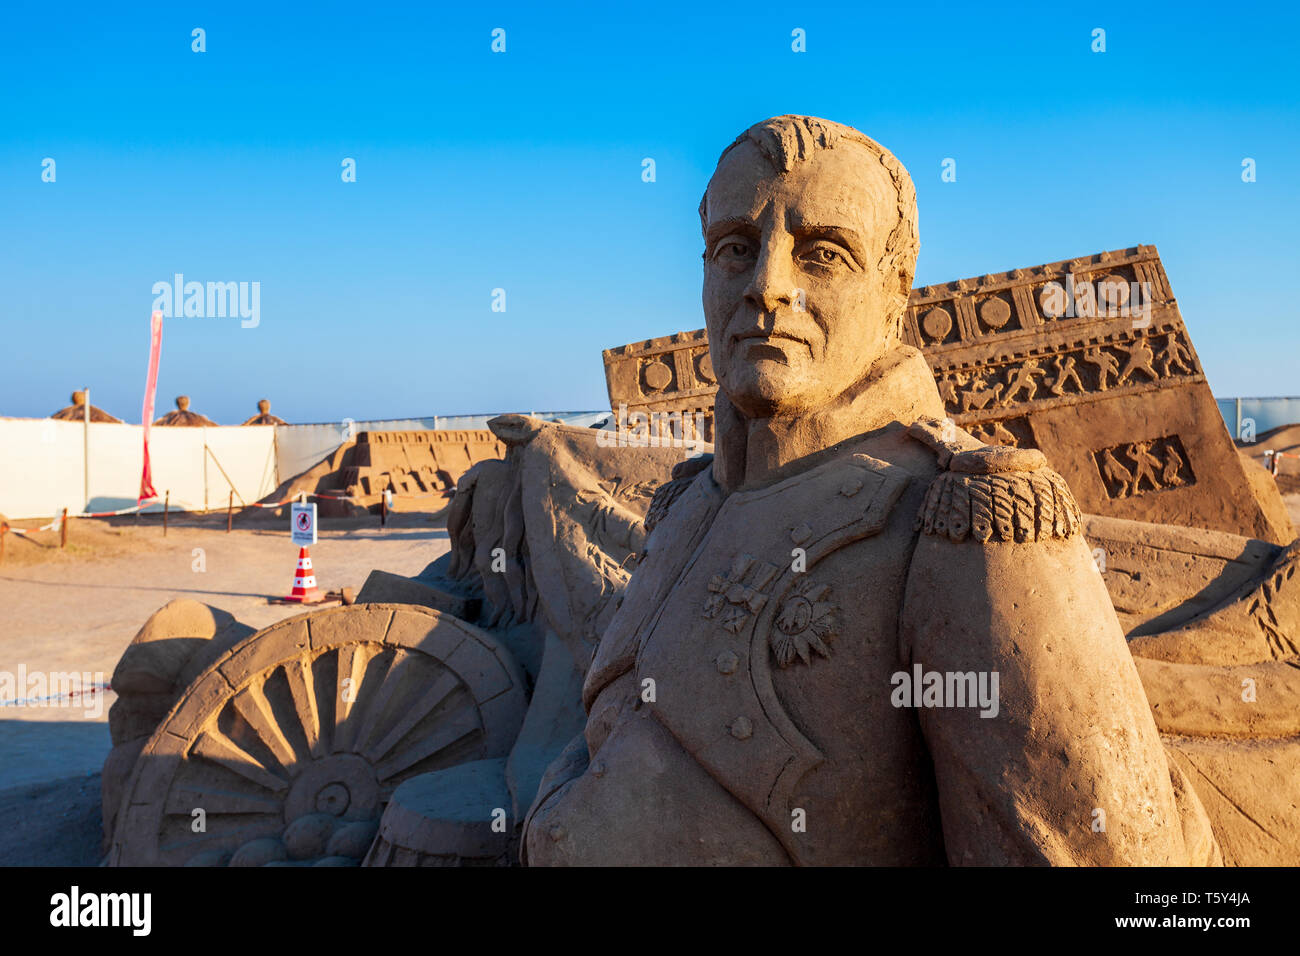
773 283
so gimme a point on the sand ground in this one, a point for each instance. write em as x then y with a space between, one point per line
75 609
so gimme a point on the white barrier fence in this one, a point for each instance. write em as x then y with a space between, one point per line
43 462
43 466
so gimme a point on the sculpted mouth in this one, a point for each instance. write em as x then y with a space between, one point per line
758 344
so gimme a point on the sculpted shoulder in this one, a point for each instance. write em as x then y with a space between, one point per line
683 474
992 493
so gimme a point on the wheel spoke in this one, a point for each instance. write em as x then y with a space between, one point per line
256 710
352 662
224 752
461 726
421 708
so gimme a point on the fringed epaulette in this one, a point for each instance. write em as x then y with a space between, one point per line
999 494
684 473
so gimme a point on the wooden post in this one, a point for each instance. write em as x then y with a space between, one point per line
383 509
4 533
167 497
63 530
230 511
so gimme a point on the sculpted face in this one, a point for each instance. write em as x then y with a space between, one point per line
796 306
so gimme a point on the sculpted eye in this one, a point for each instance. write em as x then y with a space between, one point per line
734 249
824 254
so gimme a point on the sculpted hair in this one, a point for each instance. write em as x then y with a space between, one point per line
787 140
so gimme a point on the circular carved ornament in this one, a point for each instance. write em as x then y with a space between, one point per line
995 313
658 375
299 734
1053 300
1112 291
937 323
704 368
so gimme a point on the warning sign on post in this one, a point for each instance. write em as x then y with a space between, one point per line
302 523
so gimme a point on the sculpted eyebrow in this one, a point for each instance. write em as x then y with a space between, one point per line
841 234
726 227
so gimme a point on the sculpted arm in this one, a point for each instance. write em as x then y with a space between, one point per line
1063 765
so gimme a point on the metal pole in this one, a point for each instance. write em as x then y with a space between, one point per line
230 510
85 449
63 530
4 533
167 497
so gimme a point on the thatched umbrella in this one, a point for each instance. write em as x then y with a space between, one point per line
76 412
264 416
183 415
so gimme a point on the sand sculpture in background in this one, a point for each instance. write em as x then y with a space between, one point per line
264 416
1087 360
421 468
183 417
76 412
845 543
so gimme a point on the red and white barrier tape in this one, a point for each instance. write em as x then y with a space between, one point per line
90 690
255 504
49 527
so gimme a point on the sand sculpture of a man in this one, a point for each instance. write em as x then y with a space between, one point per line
857 635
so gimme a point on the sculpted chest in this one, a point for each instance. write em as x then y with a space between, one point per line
772 589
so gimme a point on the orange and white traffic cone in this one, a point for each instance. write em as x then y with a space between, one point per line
304 581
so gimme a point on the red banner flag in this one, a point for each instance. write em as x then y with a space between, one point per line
150 390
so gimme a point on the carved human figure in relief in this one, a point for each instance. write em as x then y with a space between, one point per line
793 675
1065 373
1106 364
1145 465
1022 378
1140 358
1175 356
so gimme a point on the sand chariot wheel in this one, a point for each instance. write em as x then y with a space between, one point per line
287 749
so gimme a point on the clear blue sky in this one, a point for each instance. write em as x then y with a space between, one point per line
522 171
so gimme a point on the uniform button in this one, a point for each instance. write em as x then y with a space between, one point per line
742 728
598 768
727 662
800 534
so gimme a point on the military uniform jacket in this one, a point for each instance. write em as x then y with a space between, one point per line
746 704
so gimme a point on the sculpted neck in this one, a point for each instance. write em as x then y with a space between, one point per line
749 452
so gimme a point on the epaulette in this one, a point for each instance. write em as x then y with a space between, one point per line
997 493
683 474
